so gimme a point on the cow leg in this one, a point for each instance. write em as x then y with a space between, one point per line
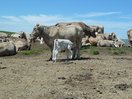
71 53
78 51
74 53
67 54
53 55
50 59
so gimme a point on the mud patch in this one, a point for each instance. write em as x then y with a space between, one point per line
76 80
2 67
123 87
83 77
89 58
123 58
67 97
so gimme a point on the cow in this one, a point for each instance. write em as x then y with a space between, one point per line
7 49
97 29
20 42
129 34
3 37
87 30
3 34
105 36
119 43
40 39
93 41
17 35
62 44
50 33
105 43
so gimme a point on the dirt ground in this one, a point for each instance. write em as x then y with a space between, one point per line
100 76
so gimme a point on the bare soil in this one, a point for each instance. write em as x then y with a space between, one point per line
102 76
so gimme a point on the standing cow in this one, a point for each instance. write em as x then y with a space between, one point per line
50 33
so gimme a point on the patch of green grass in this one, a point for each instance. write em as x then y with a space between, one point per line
90 50
85 47
32 51
95 52
118 51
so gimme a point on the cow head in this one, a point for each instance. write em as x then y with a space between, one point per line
37 30
112 36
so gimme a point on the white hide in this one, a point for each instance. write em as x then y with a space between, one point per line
62 44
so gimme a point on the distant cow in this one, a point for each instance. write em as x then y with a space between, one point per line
107 36
119 42
62 44
7 49
3 37
98 29
105 43
129 34
20 42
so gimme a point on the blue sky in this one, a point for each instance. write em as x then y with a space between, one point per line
22 15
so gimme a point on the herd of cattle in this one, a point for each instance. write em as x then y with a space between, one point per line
78 33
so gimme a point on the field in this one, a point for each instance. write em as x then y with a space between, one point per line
101 73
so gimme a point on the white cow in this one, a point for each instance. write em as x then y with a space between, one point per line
62 44
119 42
41 40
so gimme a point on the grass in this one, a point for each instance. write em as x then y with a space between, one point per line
92 50
95 52
33 52
120 51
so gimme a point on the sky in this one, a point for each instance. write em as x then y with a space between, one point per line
23 15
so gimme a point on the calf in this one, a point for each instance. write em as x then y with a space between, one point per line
62 44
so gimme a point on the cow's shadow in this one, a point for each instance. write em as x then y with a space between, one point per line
68 61
89 58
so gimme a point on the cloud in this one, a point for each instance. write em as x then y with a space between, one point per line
43 19
27 22
97 14
126 17
11 18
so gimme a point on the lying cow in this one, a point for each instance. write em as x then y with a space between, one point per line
7 49
21 42
62 44
3 37
106 43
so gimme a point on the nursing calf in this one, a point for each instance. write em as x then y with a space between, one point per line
62 44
